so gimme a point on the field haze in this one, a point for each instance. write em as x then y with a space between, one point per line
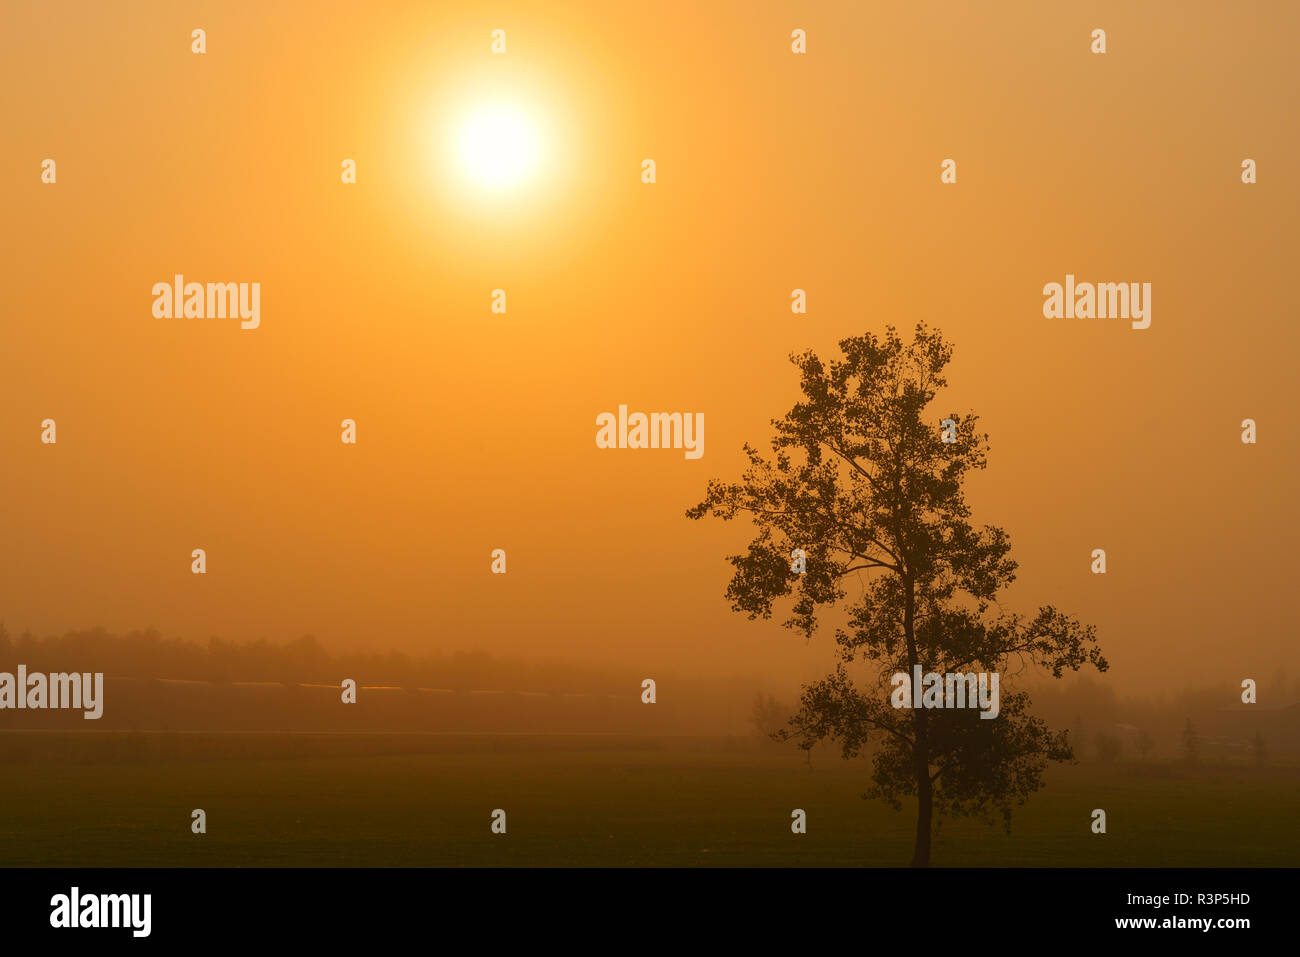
417 800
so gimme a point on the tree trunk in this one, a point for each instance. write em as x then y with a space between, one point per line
924 811
921 744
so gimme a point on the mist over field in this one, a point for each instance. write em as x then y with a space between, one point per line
643 424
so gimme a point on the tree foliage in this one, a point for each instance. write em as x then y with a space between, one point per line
869 482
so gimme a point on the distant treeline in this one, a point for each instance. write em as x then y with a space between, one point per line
161 683
1208 723
147 654
146 675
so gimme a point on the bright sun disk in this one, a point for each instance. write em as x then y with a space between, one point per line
498 146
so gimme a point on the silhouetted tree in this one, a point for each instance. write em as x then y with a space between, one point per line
865 480
806 746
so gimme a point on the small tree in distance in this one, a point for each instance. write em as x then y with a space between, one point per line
869 483
1191 743
768 717
1258 750
1144 745
1109 747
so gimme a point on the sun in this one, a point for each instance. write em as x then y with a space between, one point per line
498 146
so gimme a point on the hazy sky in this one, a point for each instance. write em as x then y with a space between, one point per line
476 431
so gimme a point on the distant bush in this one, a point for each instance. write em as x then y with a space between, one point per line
1144 745
1109 747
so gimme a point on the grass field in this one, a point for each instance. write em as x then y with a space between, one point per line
124 799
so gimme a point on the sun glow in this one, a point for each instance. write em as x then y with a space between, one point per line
498 146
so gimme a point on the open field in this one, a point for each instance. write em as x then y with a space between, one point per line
124 799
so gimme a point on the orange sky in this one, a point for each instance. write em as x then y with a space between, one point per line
775 171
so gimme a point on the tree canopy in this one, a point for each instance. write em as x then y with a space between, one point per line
869 483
